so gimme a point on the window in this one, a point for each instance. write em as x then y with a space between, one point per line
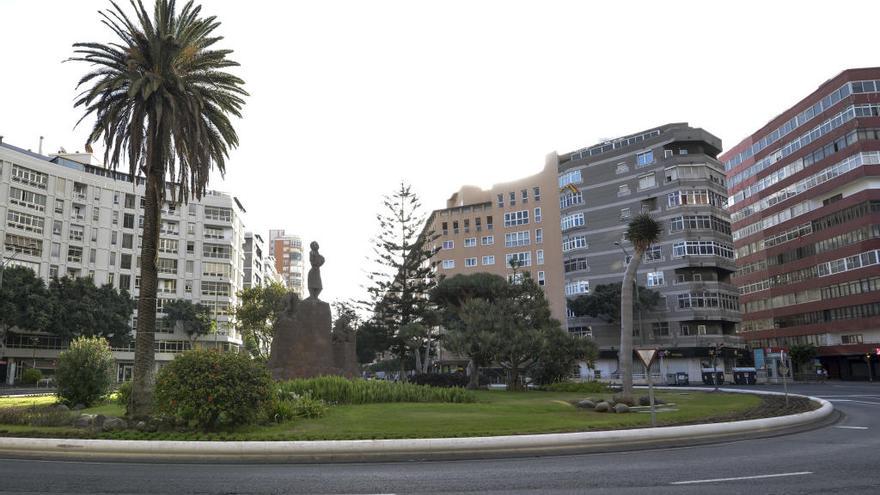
115 217
851 339
76 233
211 269
113 237
655 279
477 222
575 264
489 260
653 253
94 234
127 241
645 159
128 221
623 190
215 288
537 215
445 228
701 248
541 280
624 214
24 221
448 264
125 261
27 199
536 193
217 213
167 286
488 240
683 151
622 168
53 271
501 200
188 287
448 244
647 181
74 254
29 177
571 177
59 206
210 232
115 198
577 287
516 239
695 197
190 247
96 214
525 196
572 221
539 256
167 245
470 242
489 222
78 212
521 259
129 201
516 218
25 245
216 251
660 329
169 227
190 228
455 226
574 242
189 267
470 262
167 266
512 196
112 257
539 236
571 199
125 282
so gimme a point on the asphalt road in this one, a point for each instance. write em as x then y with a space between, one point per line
843 457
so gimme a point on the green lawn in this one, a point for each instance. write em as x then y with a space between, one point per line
495 413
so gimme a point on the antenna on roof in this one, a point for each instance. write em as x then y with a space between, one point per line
40 149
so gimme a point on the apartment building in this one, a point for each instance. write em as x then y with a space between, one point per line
289 259
671 172
805 206
481 230
67 215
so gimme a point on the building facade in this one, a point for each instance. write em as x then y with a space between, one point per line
671 172
67 215
805 205
481 230
289 259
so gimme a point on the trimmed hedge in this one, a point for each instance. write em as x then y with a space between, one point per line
209 389
338 390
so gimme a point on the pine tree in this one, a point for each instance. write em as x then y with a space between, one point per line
403 275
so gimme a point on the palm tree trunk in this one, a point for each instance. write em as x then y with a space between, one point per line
144 351
626 324
474 378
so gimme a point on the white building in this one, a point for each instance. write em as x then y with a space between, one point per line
259 265
67 215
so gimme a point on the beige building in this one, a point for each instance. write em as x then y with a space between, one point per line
481 230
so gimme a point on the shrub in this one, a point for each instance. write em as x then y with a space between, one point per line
578 387
208 389
31 376
85 371
123 394
445 380
35 416
338 390
297 406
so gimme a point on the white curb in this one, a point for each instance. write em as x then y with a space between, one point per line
268 451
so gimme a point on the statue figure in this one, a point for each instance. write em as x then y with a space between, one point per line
316 261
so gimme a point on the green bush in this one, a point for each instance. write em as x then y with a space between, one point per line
31 376
338 390
578 387
85 371
297 406
123 394
208 389
35 416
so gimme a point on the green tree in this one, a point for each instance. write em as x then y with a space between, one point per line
85 371
78 308
403 276
24 302
194 319
466 303
257 311
560 353
603 302
161 99
372 339
642 232
802 354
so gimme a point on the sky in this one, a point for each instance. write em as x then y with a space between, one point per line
348 98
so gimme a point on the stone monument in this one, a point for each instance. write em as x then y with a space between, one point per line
302 345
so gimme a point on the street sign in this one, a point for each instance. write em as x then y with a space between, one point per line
647 355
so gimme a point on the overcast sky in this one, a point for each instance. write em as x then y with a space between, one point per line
349 98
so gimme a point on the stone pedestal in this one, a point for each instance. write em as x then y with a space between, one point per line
345 355
301 347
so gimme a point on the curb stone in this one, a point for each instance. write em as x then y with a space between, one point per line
409 449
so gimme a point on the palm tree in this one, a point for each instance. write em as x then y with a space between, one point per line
642 232
161 100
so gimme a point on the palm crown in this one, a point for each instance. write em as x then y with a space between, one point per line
643 231
161 87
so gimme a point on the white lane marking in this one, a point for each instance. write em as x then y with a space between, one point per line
852 427
757 477
874 396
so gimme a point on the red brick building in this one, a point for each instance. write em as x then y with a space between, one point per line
805 209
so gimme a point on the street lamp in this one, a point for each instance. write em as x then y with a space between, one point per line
638 300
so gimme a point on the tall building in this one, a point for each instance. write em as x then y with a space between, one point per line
805 205
288 252
481 230
67 215
671 172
